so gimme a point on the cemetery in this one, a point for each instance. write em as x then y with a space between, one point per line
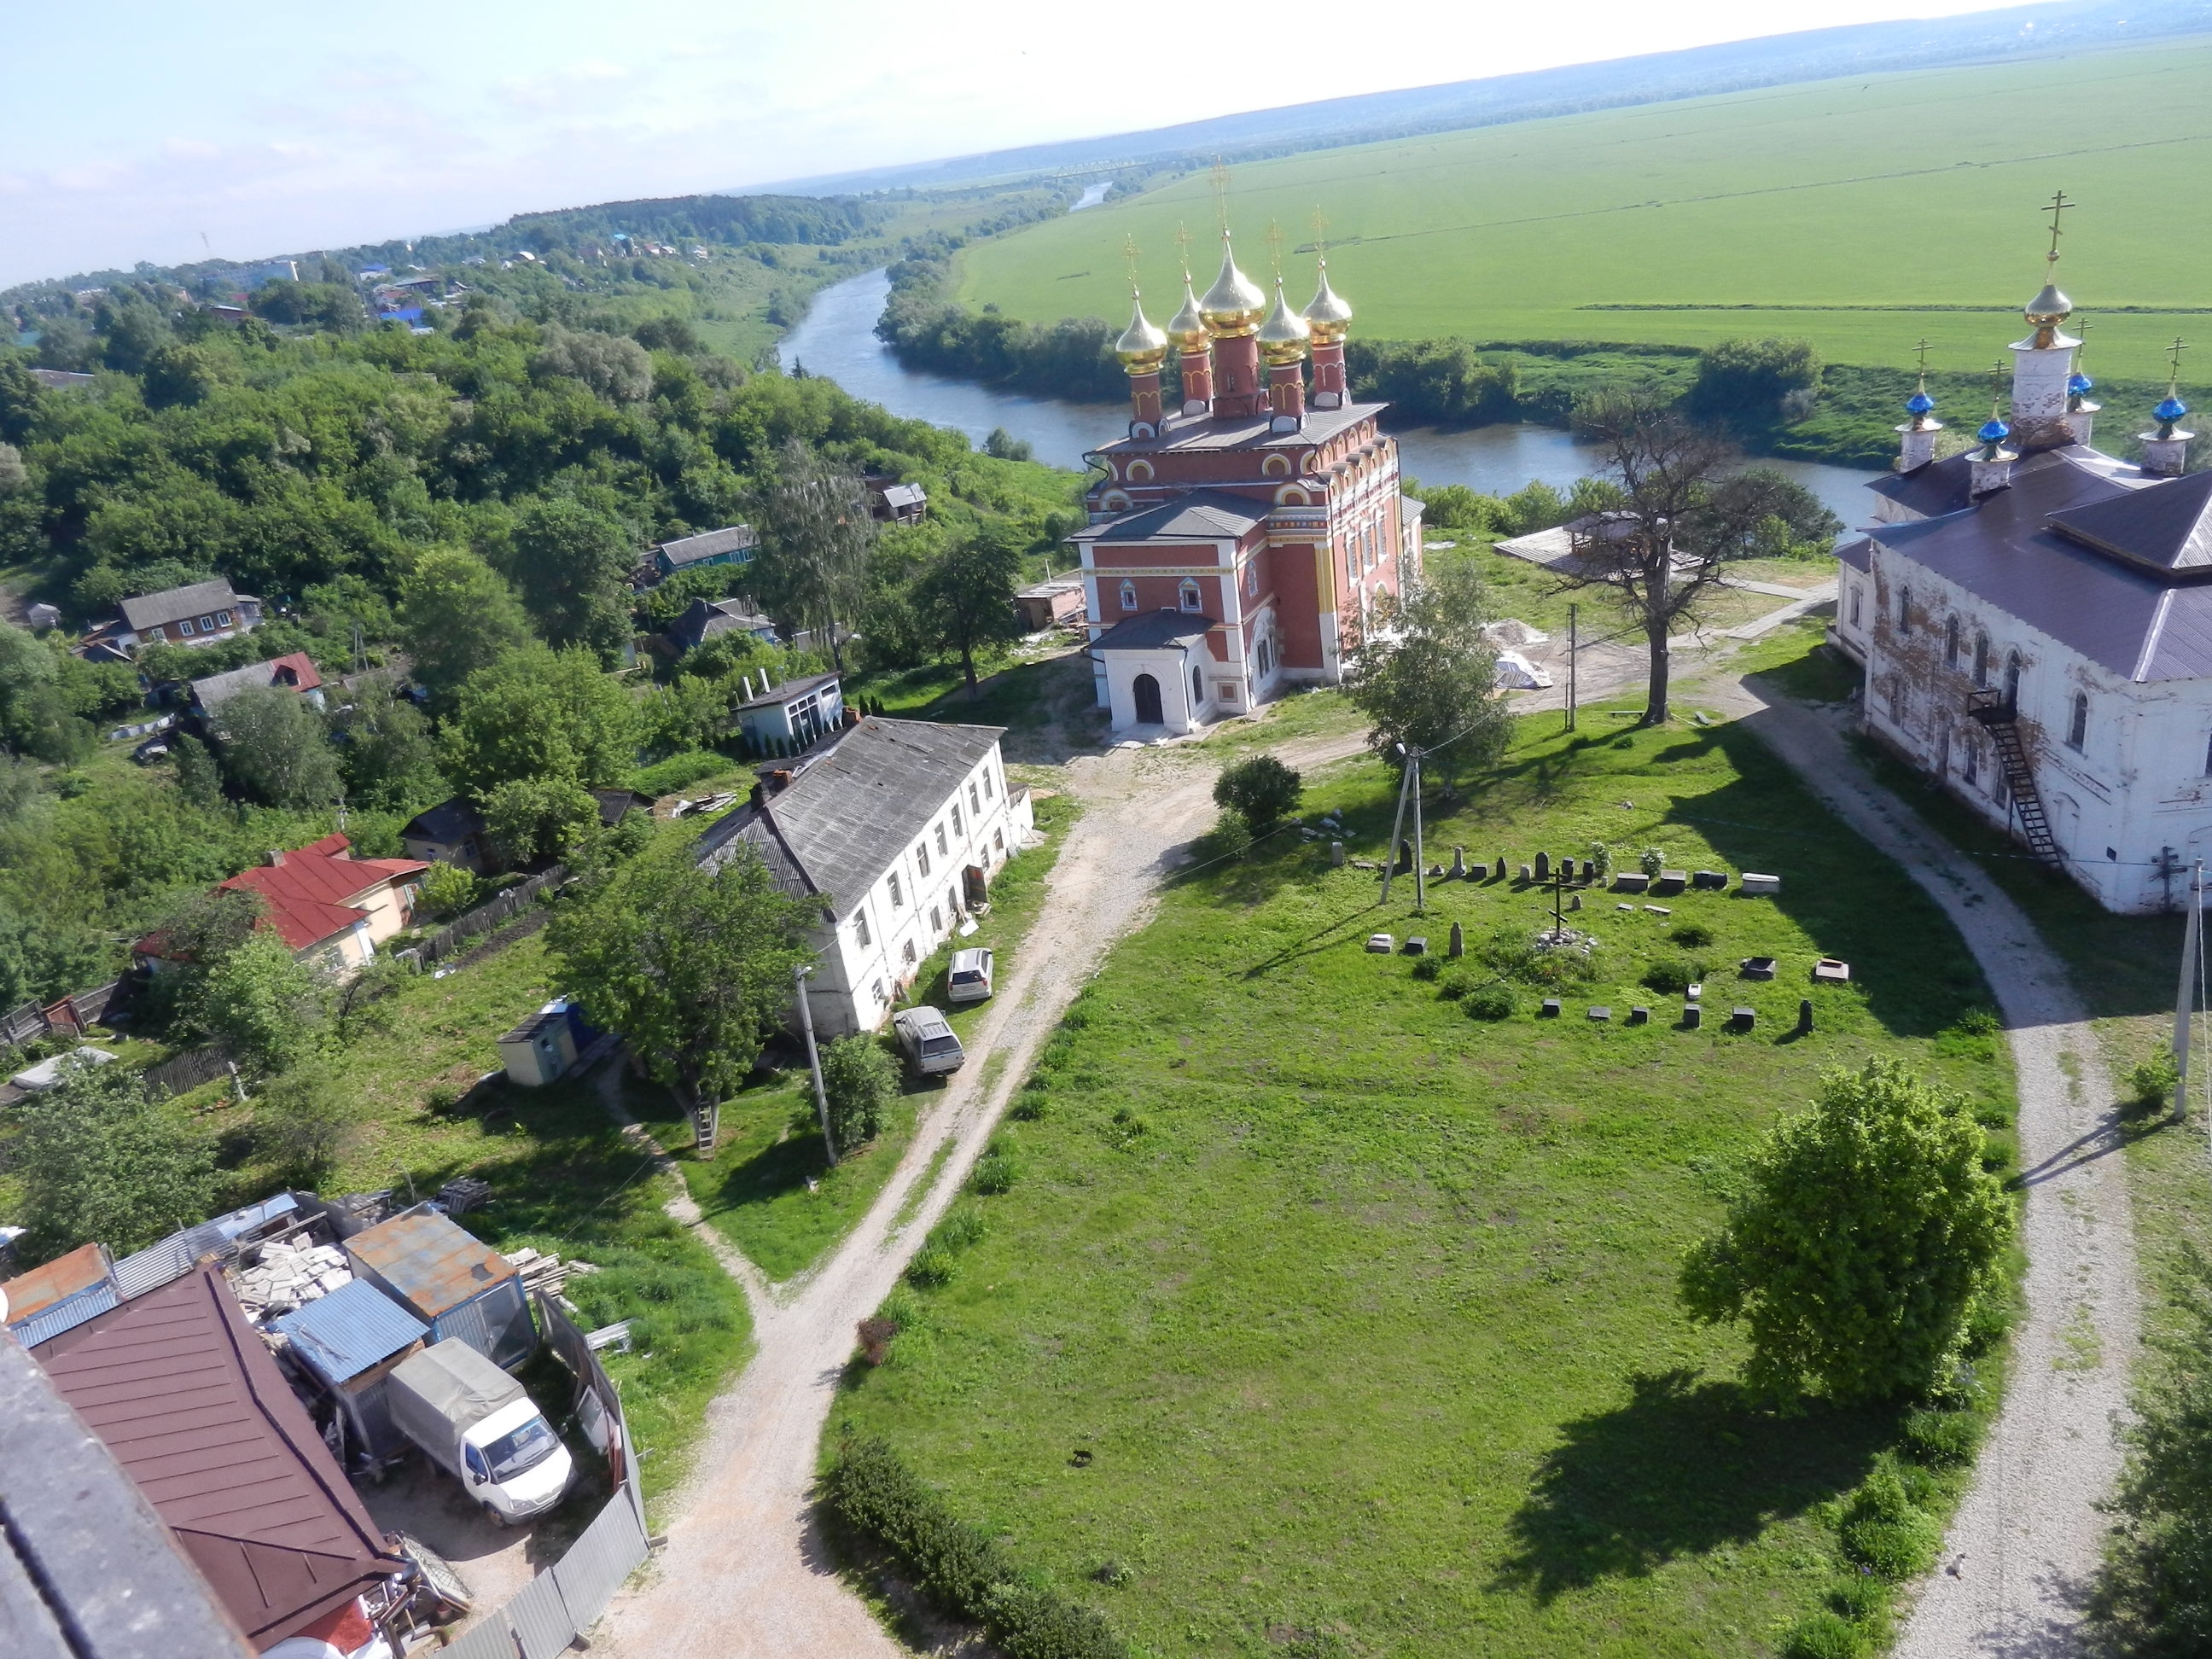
1343 1235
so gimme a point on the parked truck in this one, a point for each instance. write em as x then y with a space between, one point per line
479 1424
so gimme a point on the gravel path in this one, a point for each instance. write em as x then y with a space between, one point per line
742 1574
2026 1542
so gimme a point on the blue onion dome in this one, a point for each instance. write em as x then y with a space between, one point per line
1994 431
1919 403
2080 385
2170 410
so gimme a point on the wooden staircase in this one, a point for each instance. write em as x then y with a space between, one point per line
1997 716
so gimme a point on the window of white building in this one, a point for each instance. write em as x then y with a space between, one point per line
897 898
1857 593
936 919
2077 724
957 829
987 795
1951 642
906 953
1128 596
973 804
941 848
1904 611
860 934
922 857
1981 659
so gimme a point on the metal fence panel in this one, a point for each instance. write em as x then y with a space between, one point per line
609 1550
489 1638
541 1619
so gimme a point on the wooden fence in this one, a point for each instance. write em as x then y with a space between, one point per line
484 918
181 1074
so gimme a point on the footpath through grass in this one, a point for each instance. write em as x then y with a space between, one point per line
1314 1310
769 1188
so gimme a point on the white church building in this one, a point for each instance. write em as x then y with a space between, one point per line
2034 618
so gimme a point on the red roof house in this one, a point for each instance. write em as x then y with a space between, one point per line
325 902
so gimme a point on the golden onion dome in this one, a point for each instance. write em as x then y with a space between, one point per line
1142 345
1283 335
2049 307
1189 329
1328 312
1233 306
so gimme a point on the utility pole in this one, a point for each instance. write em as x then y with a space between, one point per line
2185 997
1420 854
800 975
1397 825
1574 618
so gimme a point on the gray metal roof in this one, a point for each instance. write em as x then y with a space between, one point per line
845 818
1201 515
1941 487
1858 553
789 692
1155 630
1248 431
690 549
704 618
2165 525
453 819
174 603
342 1334
2139 625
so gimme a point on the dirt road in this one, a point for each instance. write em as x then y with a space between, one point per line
742 1575
2025 1543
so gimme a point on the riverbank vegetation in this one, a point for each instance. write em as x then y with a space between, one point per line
1328 1300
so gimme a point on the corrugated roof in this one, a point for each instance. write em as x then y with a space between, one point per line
56 1280
175 603
190 1401
2165 525
1858 553
851 813
454 819
690 549
789 692
294 671
705 618
1248 431
1154 630
429 1260
342 1334
308 893
1201 515
65 1314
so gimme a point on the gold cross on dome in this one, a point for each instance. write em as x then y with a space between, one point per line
1129 252
1996 387
1182 248
2173 364
1921 350
1274 240
1320 231
1221 194
2058 205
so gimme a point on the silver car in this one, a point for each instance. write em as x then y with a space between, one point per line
930 1045
969 979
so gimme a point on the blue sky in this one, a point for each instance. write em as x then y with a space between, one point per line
133 131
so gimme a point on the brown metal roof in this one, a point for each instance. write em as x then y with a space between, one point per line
64 1276
183 1394
432 1263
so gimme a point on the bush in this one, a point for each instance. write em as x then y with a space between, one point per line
1262 791
1427 968
931 1268
860 1081
1653 861
305 1121
448 889
679 772
2150 1082
1230 838
1028 1106
1600 858
1456 984
1490 1002
963 1229
1693 936
1823 1635
995 1173
1517 956
1672 976
871 1492
1943 1437
1884 1531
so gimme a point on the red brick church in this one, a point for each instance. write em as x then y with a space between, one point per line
1240 543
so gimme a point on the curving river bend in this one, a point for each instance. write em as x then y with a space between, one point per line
837 340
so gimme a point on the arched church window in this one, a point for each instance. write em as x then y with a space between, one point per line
1857 593
1190 600
1981 659
1128 596
1903 611
2012 679
1951 642
2077 723
1139 470
1276 467
1197 691
1974 767
1252 578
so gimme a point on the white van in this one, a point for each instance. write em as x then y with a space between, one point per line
475 1422
969 979
930 1045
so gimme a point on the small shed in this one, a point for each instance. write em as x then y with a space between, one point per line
1050 603
542 1048
351 1341
794 714
460 1286
61 1294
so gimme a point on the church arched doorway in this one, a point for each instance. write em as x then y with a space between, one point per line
1146 692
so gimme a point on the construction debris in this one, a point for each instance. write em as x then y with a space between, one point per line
289 1276
545 1272
464 1194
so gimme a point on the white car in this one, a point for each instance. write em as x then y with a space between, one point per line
931 1046
969 979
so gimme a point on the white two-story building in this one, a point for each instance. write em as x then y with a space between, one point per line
897 827
2035 621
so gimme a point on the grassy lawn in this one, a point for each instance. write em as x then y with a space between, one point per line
1361 1311
1660 222
768 1188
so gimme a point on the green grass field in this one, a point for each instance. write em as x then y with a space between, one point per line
1842 211
1360 1312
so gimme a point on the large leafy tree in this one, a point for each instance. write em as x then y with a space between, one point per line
541 715
1866 1239
1428 679
456 615
385 746
572 564
811 515
693 965
273 747
968 593
263 1002
99 1159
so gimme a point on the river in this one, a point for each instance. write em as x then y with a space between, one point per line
837 340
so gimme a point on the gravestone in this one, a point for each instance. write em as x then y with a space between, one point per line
1336 855
1758 886
1458 946
1543 866
1709 880
1743 1018
1417 945
1380 944
1459 863
1693 1016
1527 874
1501 866
1600 1014
1551 1008
1639 1016
1804 1017
1631 881
1574 901
1405 856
